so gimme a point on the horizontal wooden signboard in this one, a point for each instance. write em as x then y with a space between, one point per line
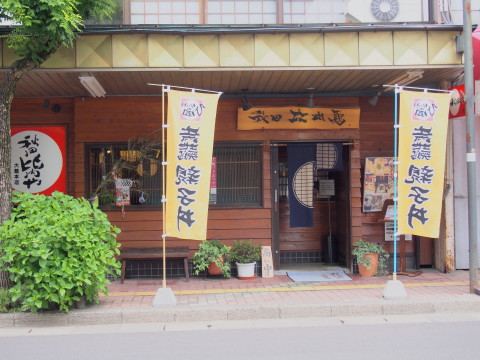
290 117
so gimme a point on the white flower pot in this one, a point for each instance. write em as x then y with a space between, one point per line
246 271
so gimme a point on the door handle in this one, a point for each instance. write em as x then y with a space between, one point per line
276 200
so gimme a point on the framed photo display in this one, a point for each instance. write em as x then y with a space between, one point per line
378 184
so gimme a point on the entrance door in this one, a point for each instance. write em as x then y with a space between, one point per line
326 241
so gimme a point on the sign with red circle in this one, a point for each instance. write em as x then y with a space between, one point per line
457 102
38 159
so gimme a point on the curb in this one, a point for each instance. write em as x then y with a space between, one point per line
467 303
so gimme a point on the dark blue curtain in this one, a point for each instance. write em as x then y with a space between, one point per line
301 167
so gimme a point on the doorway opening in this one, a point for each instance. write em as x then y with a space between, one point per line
324 244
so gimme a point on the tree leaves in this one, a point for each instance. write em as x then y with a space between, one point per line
46 25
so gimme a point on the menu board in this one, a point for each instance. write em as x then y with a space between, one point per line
378 184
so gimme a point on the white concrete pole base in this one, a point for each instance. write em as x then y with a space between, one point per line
394 290
164 297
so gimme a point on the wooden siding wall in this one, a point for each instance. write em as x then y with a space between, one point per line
306 239
376 140
118 119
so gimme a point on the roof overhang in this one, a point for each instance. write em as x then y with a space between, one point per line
266 60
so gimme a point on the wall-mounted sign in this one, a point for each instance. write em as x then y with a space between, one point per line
378 185
291 117
213 182
38 159
390 213
457 102
390 232
327 187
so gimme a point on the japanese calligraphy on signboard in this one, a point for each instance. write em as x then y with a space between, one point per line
191 119
213 182
457 102
422 146
390 232
289 117
378 184
38 162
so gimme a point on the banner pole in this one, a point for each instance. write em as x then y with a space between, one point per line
395 183
394 288
415 88
164 217
185 88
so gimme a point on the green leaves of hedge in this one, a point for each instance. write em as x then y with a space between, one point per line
57 248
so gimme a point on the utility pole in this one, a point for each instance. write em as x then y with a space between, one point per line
471 155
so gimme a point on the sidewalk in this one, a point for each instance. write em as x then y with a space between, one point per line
206 299
280 289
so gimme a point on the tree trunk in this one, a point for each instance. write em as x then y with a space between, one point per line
7 90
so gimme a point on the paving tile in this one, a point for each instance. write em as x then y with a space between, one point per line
282 290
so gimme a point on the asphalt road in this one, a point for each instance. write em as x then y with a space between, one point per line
446 336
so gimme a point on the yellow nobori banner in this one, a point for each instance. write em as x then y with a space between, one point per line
191 120
422 144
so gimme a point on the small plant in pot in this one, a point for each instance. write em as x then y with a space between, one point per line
371 258
212 256
245 254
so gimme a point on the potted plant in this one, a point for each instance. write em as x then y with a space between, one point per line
212 256
371 258
245 254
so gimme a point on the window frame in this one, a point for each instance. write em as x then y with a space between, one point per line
203 14
87 177
260 190
111 207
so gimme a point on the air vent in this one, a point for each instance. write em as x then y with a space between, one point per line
384 10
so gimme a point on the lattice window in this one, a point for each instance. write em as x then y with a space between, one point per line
143 177
241 12
313 11
239 174
236 11
327 156
165 12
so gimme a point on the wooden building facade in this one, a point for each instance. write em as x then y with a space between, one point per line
120 119
277 66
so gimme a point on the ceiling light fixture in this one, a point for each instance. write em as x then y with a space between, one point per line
310 102
374 99
245 104
406 78
92 85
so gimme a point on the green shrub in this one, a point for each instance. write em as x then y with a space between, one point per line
57 248
245 252
212 251
5 301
